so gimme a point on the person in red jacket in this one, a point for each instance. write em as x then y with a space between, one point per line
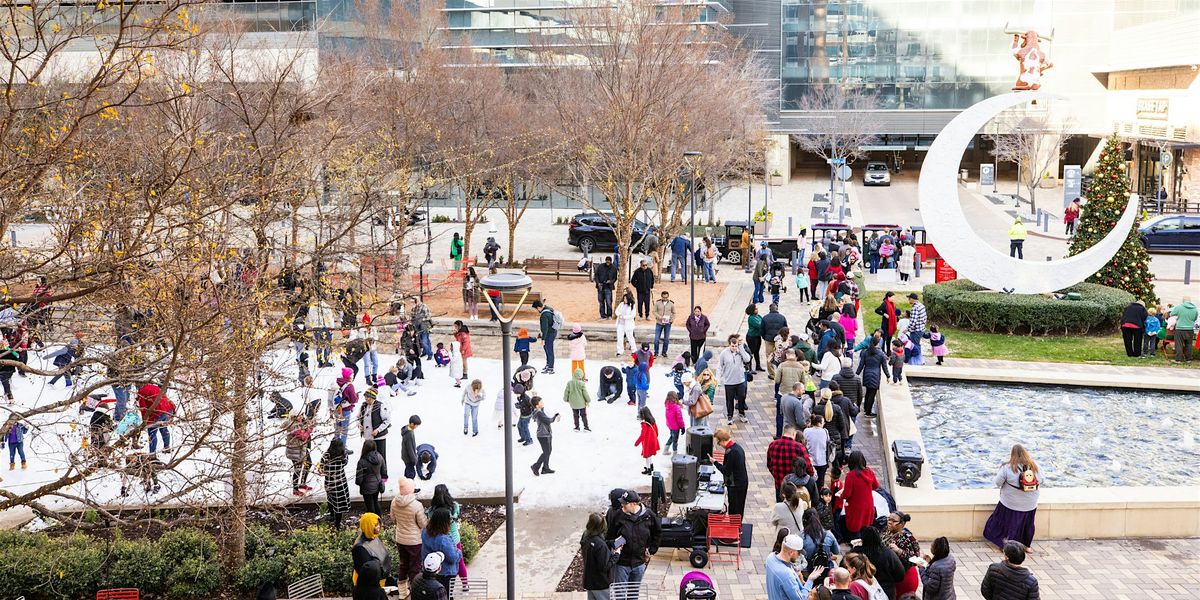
157 411
857 495
648 439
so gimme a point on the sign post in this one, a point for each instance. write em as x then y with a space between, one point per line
1072 183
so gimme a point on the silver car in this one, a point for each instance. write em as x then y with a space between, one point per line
877 173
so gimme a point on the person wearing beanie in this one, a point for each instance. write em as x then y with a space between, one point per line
371 561
342 399
783 581
374 421
427 585
408 516
521 345
577 344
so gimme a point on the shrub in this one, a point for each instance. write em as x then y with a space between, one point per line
260 570
470 540
136 564
195 577
318 550
78 568
964 304
25 572
441 219
178 545
260 541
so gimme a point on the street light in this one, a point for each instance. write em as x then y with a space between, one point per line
686 156
508 282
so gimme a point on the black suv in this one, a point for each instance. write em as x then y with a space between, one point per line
590 232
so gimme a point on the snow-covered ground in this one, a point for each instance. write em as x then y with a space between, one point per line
587 464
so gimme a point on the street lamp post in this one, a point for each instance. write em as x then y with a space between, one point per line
749 218
692 230
508 282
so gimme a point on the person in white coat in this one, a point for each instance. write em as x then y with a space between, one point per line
625 315
907 261
456 363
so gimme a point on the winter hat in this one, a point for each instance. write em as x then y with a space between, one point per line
406 487
347 372
791 542
687 377
522 332
433 562
380 381
371 393
367 524
576 329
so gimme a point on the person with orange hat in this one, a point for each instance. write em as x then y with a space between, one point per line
371 339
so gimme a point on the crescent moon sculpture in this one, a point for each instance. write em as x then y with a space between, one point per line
971 256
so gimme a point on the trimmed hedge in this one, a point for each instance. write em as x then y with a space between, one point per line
966 305
182 564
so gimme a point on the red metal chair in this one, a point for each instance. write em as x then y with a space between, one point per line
118 594
725 531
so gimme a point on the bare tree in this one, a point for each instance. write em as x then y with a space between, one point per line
1034 141
637 87
839 125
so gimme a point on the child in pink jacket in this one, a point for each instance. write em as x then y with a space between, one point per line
849 322
674 422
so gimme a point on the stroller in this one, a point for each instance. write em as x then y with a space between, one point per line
696 586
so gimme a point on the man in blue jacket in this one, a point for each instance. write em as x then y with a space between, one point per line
681 247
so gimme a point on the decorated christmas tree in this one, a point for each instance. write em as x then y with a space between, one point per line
1129 270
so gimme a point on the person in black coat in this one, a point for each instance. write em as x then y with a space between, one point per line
643 281
733 468
872 362
1133 324
641 531
599 557
888 569
1008 580
605 277
611 385
367 476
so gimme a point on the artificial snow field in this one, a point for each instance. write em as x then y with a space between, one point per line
587 465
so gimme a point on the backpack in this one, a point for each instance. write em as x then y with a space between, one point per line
820 557
559 320
1028 479
874 590
337 397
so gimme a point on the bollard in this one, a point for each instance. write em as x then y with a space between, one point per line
1046 224
917 267
1047 259
789 227
1187 272
1038 217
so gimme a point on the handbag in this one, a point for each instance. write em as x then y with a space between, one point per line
702 408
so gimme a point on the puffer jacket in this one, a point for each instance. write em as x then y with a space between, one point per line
938 580
367 473
409 518
576 393
850 384
1009 582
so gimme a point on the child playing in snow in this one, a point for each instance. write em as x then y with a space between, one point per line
462 334
937 341
441 357
16 444
471 399
648 439
456 363
521 346
631 375
642 386
644 355
896 361
676 375
674 411
577 344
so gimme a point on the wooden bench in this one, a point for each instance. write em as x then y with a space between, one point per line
511 298
558 267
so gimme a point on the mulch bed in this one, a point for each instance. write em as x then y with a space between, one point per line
280 520
572 579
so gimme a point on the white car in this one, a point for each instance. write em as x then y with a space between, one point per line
877 173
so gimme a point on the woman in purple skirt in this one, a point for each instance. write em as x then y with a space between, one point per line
1014 515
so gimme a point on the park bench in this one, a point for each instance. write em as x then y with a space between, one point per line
511 298
558 267
309 587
